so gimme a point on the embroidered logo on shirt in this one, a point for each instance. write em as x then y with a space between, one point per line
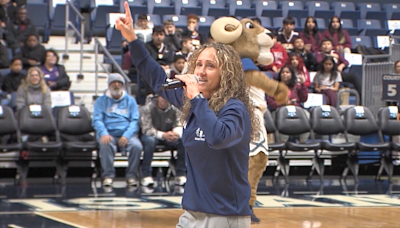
200 136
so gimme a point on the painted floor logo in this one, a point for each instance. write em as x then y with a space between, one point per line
171 202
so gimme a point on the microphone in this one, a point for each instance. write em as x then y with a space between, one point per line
175 83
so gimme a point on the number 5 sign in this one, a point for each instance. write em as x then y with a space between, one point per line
391 87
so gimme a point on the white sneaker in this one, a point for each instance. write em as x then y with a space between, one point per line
107 182
132 182
180 180
146 181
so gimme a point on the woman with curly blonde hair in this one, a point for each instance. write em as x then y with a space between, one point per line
33 90
219 124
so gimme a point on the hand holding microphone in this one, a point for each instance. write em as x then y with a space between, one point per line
188 81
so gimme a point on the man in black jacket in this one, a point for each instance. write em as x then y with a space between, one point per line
18 31
54 73
7 12
159 51
32 52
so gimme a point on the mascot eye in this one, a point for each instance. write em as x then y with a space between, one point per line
249 25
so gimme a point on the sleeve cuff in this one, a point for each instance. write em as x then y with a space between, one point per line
178 130
159 135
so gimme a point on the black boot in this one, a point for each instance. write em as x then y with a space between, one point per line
254 219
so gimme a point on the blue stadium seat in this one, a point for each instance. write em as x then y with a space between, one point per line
298 14
377 15
136 7
39 16
391 8
113 40
370 28
160 7
186 7
320 22
241 8
395 16
349 26
266 22
338 7
313 6
262 6
353 15
180 21
366 7
98 20
290 5
205 23
4 72
57 17
361 40
215 8
324 14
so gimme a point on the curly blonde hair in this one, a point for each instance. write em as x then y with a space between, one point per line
231 85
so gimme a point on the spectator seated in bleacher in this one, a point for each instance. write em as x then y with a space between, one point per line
172 36
327 80
298 94
340 61
187 48
4 58
311 36
340 38
160 124
307 56
280 56
177 66
7 12
18 31
116 121
286 36
11 83
33 90
296 63
191 31
143 28
54 73
32 52
158 50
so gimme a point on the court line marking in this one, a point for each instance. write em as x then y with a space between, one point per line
15 212
59 220
47 196
354 192
305 192
14 226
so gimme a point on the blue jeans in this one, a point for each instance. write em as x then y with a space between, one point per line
107 153
149 146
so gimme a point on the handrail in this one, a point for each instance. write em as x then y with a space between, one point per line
68 23
109 56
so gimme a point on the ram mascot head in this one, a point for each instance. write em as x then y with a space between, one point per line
252 42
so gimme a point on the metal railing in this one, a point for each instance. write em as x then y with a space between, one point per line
98 46
395 48
68 24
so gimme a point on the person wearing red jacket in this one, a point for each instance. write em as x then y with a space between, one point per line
311 36
280 56
296 63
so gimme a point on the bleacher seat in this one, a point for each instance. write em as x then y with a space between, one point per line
160 7
348 25
266 22
290 5
98 18
57 17
390 8
338 7
205 24
366 7
113 40
267 9
278 22
377 15
186 7
298 14
370 28
241 8
361 40
353 15
153 18
320 22
395 16
313 6
180 21
38 13
136 7
215 8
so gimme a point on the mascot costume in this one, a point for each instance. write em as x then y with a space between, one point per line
253 44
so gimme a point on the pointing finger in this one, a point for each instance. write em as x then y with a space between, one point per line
127 10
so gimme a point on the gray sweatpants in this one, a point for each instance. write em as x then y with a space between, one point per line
191 219
107 153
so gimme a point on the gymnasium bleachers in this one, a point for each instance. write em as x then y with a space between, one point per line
363 21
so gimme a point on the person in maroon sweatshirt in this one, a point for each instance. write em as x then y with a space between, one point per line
298 93
280 55
340 37
311 36
340 61
296 63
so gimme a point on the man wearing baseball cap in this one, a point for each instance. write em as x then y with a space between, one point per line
116 121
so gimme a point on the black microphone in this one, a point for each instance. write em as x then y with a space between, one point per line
175 83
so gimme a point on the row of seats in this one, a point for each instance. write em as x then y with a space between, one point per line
327 121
